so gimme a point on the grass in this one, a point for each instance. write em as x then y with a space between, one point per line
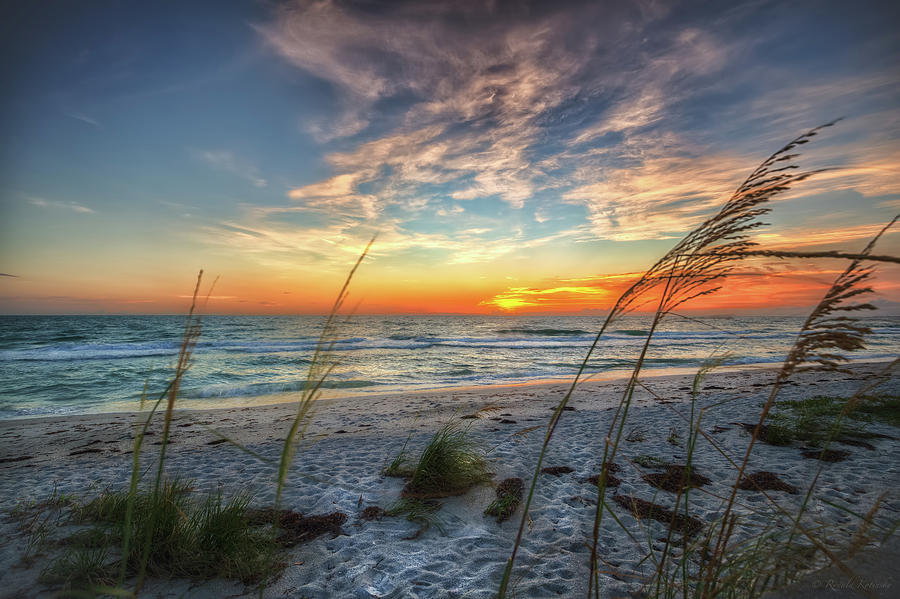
728 557
877 408
188 537
399 468
157 527
675 438
80 570
814 420
450 464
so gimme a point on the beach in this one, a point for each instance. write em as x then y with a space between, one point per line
338 468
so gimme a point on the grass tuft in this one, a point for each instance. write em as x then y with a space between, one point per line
187 536
80 569
450 464
399 468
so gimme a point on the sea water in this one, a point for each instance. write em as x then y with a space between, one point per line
77 364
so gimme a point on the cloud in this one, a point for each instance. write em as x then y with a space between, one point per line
3 274
226 161
260 233
755 286
338 193
83 118
640 119
452 210
664 193
483 81
799 237
73 206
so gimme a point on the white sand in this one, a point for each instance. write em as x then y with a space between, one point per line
358 435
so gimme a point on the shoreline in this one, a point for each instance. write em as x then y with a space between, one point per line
351 440
288 397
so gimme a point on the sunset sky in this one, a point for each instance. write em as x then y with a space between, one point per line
511 156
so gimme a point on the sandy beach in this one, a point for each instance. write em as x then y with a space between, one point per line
338 468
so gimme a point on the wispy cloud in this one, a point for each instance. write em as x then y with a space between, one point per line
78 116
226 161
73 206
337 193
337 243
798 237
484 86
604 108
660 196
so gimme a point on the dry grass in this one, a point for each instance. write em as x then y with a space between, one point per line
163 530
717 564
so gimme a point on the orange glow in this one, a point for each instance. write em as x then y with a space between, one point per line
553 299
741 291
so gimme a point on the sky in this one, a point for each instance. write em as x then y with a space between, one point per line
512 157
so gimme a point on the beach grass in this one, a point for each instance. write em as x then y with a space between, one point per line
160 527
450 464
399 466
188 536
719 562
509 496
812 419
81 571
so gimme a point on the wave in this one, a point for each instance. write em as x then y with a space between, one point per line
537 339
546 332
61 338
249 389
60 354
461 372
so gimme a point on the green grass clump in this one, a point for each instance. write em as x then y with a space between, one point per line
781 432
866 408
399 468
450 465
815 420
91 538
81 569
883 408
186 536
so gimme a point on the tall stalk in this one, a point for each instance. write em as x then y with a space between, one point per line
689 270
820 337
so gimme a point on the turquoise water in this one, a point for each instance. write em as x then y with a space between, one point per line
74 364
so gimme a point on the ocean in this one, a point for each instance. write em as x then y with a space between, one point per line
78 364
